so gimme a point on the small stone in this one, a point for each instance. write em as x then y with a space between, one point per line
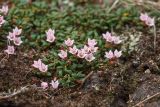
147 71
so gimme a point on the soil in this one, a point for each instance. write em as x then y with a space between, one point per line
122 85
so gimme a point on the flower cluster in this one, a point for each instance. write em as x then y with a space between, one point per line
54 83
13 36
40 65
86 52
147 19
111 39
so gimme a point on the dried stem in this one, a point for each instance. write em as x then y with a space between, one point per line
146 99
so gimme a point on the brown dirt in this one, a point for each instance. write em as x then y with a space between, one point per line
114 85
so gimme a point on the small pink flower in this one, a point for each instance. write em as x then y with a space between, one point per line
10 50
117 53
116 40
17 41
17 31
43 67
108 37
63 54
55 84
11 36
150 21
81 53
50 35
73 50
4 10
44 85
86 49
89 57
91 42
2 21
69 42
109 54
93 49
37 63
144 16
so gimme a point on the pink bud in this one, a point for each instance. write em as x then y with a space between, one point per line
69 42
63 54
50 35
44 85
10 50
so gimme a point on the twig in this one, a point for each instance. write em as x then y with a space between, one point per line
155 36
113 6
83 81
9 94
146 99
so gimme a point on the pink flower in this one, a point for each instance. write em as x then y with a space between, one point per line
109 54
117 53
93 49
10 50
17 31
73 50
4 10
2 21
81 53
17 41
144 17
63 54
108 37
50 35
150 21
69 42
41 66
91 42
86 49
37 63
44 85
89 57
116 40
55 84
11 36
